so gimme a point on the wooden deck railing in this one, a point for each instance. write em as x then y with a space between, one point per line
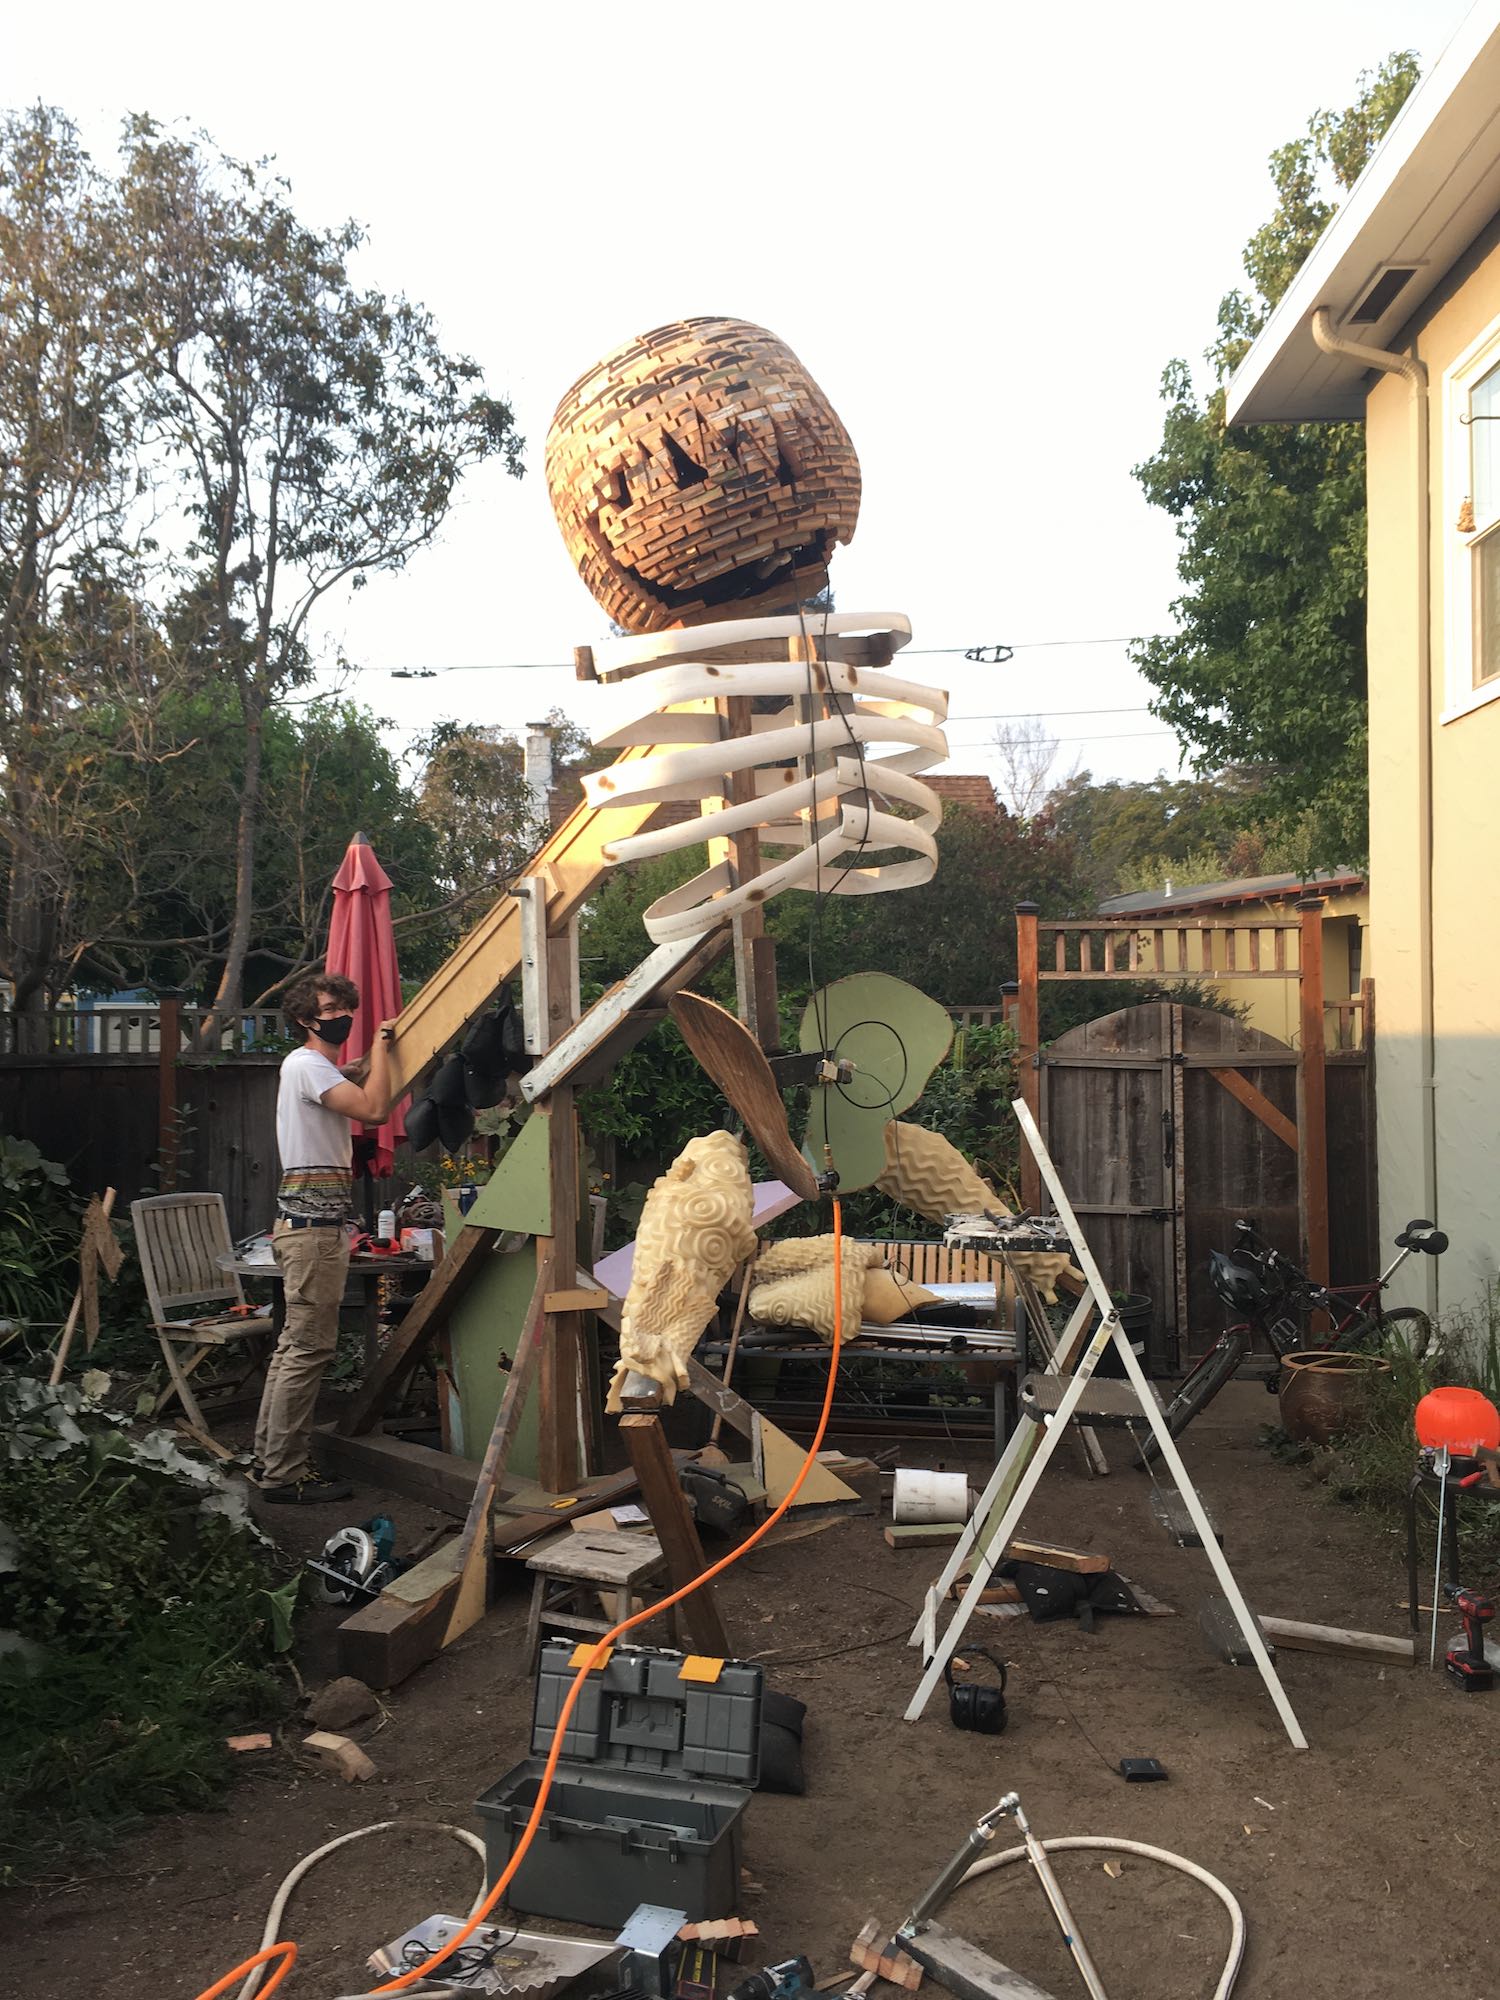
122 1030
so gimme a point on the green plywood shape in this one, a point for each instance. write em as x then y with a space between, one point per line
484 1325
895 1037
518 1195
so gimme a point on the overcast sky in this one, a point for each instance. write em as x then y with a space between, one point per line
984 228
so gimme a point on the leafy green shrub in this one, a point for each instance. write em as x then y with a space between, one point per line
141 1612
38 1235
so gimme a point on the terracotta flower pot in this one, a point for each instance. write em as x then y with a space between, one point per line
1322 1393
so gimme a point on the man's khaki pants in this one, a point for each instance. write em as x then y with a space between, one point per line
314 1265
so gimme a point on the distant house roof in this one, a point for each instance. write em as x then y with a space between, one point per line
1431 186
1244 889
955 790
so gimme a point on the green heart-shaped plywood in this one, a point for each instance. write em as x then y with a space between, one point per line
895 1037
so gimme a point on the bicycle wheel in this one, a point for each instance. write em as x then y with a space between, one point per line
1404 1329
1193 1398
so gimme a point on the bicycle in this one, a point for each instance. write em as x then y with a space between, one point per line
1276 1299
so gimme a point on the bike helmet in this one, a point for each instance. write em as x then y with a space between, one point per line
1237 1284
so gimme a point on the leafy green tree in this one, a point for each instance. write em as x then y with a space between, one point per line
1127 835
1267 665
326 774
314 433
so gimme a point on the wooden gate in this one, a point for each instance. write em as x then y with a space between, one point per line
1167 1124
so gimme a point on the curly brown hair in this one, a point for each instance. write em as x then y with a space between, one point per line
302 999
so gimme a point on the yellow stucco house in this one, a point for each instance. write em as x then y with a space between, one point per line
1395 318
1272 1005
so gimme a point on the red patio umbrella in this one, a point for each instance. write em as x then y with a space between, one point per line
362 946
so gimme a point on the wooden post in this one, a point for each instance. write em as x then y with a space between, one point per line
558 1468
664 1500
1312 1154
1028 1034
169 1030
1010 1003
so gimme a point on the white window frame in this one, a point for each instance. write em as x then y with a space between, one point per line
1462 697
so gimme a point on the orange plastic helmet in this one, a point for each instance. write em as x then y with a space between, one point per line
1462 1419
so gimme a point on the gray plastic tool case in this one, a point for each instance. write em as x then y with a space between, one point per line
650 1792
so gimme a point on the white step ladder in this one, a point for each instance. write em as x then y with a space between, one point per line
1032 1443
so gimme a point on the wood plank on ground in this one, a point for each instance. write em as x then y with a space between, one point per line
1338 1640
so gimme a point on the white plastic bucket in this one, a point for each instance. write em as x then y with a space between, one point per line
929 1496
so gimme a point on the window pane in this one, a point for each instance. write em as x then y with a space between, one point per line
1486 559
1484 446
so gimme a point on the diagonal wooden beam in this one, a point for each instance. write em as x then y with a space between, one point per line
1256 1101
571 861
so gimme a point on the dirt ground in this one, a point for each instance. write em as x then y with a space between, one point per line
1361 1863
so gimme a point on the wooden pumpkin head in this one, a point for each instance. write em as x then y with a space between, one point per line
699 472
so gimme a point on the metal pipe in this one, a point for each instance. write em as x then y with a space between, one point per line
1414 373
1037 1855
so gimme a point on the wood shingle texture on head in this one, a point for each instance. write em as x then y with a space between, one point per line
700 467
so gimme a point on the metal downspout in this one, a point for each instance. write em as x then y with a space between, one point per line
1415 373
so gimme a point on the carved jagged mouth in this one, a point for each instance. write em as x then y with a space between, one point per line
754 579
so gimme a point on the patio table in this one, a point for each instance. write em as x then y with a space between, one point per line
365 1271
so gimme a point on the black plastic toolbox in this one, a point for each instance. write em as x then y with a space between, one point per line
650 1793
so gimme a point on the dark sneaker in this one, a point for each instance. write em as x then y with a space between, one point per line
310 1490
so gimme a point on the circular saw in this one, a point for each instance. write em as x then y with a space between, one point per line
357 1563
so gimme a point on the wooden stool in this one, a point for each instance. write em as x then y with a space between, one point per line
570 1566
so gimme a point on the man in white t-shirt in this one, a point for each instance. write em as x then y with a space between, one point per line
317 1108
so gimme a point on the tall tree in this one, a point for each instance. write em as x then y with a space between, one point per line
1267 665
66 423
317 432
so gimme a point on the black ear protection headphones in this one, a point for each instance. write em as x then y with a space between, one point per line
974 1704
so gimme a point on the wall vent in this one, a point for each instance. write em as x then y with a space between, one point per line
1381 294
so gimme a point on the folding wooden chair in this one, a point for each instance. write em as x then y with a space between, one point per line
186 1255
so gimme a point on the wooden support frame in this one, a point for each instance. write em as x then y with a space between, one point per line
664 1500
1028 1035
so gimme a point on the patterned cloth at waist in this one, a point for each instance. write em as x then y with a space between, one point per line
317 1194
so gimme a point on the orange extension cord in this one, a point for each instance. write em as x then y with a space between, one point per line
287 1952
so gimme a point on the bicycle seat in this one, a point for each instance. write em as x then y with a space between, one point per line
1423 1236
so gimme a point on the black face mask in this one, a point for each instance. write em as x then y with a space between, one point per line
335 1031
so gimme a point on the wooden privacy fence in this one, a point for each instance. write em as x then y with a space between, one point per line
1168 1122
109 1120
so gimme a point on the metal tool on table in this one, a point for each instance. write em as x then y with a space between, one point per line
996 1233
1466 1661
960 1966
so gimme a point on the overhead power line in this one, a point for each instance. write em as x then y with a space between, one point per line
427 671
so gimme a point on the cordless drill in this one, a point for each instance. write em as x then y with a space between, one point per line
1467 1666
793 1976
